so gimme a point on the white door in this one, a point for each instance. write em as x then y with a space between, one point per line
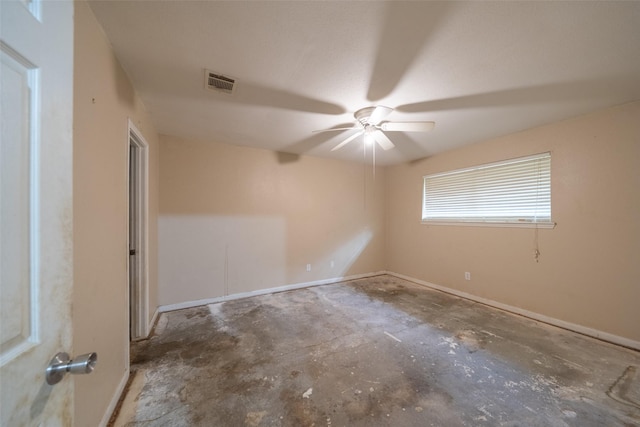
36 246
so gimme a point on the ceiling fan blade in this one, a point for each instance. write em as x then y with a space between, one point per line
382 139
346 141
379 114
407 126
332 129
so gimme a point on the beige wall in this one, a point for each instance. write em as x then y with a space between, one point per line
236 219
103 101
589 269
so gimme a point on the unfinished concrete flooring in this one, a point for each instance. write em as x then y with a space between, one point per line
374 352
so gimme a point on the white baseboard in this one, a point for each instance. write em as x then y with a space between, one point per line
115 399
196 303
594 333
152 322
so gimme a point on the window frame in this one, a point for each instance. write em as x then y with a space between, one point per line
503 221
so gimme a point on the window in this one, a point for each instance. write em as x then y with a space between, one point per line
514 192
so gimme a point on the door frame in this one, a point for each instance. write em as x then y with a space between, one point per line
138 295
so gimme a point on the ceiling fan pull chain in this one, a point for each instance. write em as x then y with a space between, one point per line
374 165
364 174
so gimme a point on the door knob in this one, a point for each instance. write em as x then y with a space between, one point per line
61 364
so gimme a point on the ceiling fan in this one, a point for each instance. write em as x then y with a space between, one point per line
370 123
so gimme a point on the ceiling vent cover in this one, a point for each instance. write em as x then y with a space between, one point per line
218 82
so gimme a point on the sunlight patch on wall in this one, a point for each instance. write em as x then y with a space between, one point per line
342 258
212 256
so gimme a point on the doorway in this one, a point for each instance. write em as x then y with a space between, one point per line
138 235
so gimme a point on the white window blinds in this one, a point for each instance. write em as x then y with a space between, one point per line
516 191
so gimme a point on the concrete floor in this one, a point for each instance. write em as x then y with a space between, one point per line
374 352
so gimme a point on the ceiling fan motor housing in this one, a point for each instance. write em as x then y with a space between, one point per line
363 114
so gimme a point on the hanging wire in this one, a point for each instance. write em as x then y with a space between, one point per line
536 247
374 164
364 173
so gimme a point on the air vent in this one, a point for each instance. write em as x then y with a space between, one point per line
218 82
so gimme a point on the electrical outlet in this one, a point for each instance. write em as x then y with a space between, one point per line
308 267
332 264
467 275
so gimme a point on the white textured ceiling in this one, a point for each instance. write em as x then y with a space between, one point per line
478 69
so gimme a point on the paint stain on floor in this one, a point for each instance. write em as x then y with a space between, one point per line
373 352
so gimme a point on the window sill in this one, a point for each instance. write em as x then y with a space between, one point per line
493 224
